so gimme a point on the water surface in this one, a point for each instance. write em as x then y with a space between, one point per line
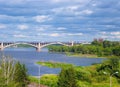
29 56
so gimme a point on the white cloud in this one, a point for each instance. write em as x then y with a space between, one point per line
2 26
61 34
63 1
14 18
87 11
61 28
54 34
115 33
103 33
67 9
42 18
112 35
84 12
118 37
74 10
12 1
40 29
19 36
22 27
56 1
75 34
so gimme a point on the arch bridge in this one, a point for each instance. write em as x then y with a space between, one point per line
37 45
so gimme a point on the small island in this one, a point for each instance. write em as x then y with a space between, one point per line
52 64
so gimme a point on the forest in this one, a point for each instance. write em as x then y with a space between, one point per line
101 48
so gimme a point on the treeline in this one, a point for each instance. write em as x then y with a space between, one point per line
97 47
23 45
12 73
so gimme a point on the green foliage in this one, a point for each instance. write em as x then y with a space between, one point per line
33 79
112 65
52 64
20 74
12 73
83 84
116 50
47 79
97 47
67 78
83 75
24 45
88 76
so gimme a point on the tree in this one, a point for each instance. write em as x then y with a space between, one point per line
116 51
7 68
112 65
107 44
67 78
12 73
21 74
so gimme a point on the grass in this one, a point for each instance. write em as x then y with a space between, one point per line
87 76
55 64
83 55
49 80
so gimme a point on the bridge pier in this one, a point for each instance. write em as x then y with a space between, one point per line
72 43
38 49
1 47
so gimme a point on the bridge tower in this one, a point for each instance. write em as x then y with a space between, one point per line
1 46
38 47
72 43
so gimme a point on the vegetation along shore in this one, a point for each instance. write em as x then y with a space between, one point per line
98 49
96 75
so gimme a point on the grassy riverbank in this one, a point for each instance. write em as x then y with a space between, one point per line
86 76
54 64
88 55
49 80
82 55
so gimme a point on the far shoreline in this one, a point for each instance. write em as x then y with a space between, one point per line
69 54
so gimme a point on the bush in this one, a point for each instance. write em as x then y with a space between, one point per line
67 78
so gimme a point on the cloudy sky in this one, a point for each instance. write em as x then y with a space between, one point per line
59 20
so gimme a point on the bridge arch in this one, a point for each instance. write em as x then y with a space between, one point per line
53 44
37 45
19 43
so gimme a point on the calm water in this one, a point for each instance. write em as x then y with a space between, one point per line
29 56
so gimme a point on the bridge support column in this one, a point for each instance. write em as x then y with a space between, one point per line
72 43
38 47
1 46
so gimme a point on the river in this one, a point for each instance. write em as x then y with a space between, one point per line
29 56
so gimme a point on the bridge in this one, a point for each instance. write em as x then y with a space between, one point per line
37 45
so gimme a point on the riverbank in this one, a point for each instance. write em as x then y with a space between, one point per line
53 64
83 55
89 76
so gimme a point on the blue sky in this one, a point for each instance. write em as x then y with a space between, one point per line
59 20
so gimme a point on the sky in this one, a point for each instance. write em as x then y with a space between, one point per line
59 20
